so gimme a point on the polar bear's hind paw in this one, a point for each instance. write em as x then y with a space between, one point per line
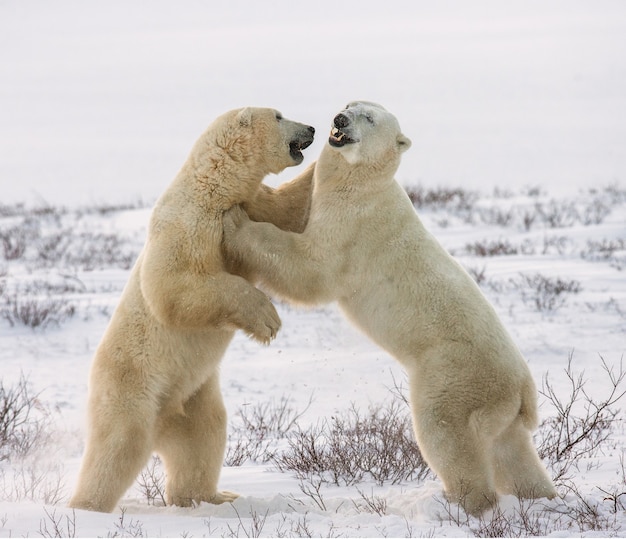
224 496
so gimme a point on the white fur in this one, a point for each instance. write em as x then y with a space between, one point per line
472 396
154 383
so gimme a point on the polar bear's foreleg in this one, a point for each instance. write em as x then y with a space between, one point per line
291 265
192 447
286 207
187 300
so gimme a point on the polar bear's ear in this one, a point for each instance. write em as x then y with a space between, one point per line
404 143
245 117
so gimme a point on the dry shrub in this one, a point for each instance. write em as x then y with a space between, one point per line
546 293
442 197
352 447
491 248
612 251
57 525
25 436
257 428
151 482
581 425
15 240
36 311
24 420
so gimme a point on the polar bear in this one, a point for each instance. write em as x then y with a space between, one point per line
154 383
473 399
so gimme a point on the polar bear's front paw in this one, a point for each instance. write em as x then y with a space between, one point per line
267 325
262 321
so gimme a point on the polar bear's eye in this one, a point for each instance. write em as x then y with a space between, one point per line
369 119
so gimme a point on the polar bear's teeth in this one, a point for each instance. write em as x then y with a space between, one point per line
337 134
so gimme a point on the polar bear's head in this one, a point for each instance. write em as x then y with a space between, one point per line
262 138
366 132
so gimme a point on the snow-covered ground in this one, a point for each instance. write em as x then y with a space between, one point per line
320 366
99 104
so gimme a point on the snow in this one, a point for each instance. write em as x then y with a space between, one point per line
100 105
322 366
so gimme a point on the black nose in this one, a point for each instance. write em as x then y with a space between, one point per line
311 130
341 120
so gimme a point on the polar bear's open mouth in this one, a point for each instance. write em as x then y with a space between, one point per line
338 138
296 147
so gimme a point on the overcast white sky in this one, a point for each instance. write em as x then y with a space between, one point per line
102 101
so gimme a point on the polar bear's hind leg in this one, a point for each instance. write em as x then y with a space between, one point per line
460 458
519 470
192 447
118 447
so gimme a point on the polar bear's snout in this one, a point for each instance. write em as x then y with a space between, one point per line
341 120
338 134
301 141
304 138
